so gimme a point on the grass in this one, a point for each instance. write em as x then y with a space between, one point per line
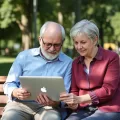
5 64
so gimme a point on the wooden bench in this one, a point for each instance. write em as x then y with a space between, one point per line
3 98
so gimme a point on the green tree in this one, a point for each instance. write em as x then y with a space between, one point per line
18 13
18 17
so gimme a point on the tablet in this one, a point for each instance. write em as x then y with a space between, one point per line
51 85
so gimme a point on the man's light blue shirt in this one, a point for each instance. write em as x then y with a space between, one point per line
31 63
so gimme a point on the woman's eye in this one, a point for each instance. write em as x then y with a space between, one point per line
75 43
83 42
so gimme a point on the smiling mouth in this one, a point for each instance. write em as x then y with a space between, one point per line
82 50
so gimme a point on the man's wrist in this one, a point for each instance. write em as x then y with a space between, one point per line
14 93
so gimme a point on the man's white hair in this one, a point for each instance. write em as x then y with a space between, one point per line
43 28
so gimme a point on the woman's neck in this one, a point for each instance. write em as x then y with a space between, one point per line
90 57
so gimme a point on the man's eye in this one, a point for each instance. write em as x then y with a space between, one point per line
48 44
57 45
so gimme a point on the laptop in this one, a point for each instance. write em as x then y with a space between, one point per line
51 85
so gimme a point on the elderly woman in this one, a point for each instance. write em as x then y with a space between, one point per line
95 88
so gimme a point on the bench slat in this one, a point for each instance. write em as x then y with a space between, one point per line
1 87
1 110
3 79
3 99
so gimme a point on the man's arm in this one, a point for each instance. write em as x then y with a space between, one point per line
12 81
67 77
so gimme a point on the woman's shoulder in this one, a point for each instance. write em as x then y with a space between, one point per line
76 59
108 54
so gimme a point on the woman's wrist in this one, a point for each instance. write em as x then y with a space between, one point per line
84 98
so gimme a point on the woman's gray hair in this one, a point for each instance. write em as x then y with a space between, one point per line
87 27
43 28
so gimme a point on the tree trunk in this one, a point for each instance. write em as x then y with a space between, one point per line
77 18
26 34
60 18
101 34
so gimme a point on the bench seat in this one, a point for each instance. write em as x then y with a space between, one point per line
3 98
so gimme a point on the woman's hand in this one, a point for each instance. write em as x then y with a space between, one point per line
73 100
72 106
69 98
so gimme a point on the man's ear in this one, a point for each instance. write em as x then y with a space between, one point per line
39 39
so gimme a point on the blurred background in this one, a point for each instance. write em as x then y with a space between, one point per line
20 22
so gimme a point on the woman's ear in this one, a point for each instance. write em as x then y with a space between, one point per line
96 41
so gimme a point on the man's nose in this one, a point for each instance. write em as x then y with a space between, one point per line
52 48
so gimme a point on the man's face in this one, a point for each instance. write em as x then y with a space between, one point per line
50 46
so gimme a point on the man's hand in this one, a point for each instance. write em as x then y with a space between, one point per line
43 99
20 93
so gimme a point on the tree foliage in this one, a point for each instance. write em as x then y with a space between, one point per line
13 14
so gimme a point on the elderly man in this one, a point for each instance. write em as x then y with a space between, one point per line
47 60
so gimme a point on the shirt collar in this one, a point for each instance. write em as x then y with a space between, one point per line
36 52
98 56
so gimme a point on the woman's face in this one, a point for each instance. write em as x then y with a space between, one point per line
84 45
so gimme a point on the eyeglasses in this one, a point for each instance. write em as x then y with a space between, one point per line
48 45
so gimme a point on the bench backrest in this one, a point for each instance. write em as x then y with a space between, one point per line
3 98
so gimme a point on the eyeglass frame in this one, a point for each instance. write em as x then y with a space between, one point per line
48 45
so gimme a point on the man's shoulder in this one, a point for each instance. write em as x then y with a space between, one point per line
63 56
29 52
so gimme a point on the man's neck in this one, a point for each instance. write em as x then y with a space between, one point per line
46 58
